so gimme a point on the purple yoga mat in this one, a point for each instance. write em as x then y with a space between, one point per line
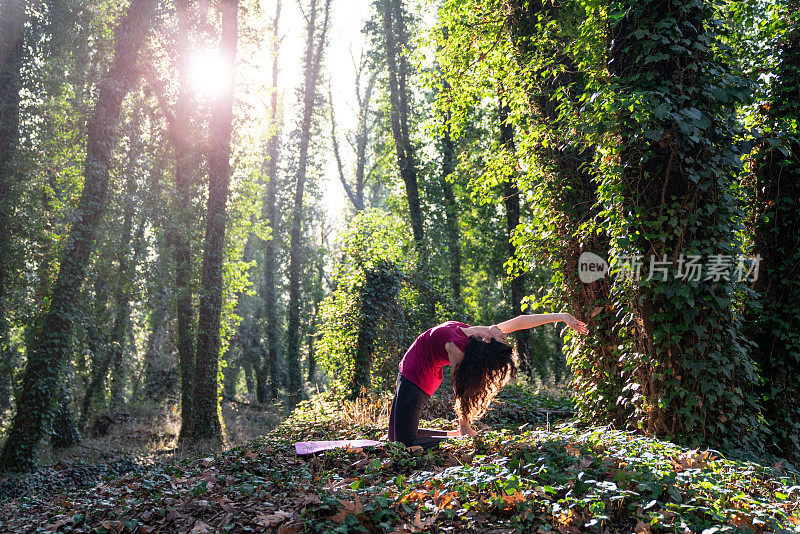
310 447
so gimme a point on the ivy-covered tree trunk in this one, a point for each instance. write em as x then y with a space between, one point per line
158 378
512 205
774 324
568 195
315 43
394 41
267 371
180 137
317 294
205 424
249 378
97 336
381 285
126 266
676 188
232 371
39 385
12 26
451 211
115 345
65 431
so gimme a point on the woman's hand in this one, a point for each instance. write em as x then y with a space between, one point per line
575 324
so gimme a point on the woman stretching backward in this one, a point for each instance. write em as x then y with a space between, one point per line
482 364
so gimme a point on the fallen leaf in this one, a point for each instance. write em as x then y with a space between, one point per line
420 524
740 520
268 521
289 529
201 528
415 495
58 524
310 498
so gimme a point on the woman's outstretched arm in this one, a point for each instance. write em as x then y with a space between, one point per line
523 322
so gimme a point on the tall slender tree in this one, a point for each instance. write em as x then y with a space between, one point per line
12 25
364 126
316 39
512 205
52 348
128 251
267 372
205 424
776 190
186 153
180 139
448 170
395 42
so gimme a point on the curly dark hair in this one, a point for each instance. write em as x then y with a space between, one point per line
486 368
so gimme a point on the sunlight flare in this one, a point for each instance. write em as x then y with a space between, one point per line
210 73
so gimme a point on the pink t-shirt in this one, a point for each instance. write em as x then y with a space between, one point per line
424 359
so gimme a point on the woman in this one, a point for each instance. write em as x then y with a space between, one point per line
482 364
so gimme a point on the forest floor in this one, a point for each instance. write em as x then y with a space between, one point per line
524 475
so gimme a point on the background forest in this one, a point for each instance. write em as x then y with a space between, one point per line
198 206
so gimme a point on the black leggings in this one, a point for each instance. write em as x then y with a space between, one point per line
409 400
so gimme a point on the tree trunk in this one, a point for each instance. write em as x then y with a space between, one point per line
355 193
181 141
119 329
355 199
98 338
317 294
52 348
776 192
65 432
205 424
267 372
156 375
126 264
231 378
315 45
451 210
12 25
511 199
249 379
395 40
381 285
363 132
676 192
571 192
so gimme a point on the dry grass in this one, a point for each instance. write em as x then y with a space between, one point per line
140 431
242 423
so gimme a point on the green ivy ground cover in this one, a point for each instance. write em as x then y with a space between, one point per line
567 479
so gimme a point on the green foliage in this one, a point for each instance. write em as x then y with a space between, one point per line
373 243
511 478
628 145
379 305
774 190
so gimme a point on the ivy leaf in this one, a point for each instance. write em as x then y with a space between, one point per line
662 111
655 135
